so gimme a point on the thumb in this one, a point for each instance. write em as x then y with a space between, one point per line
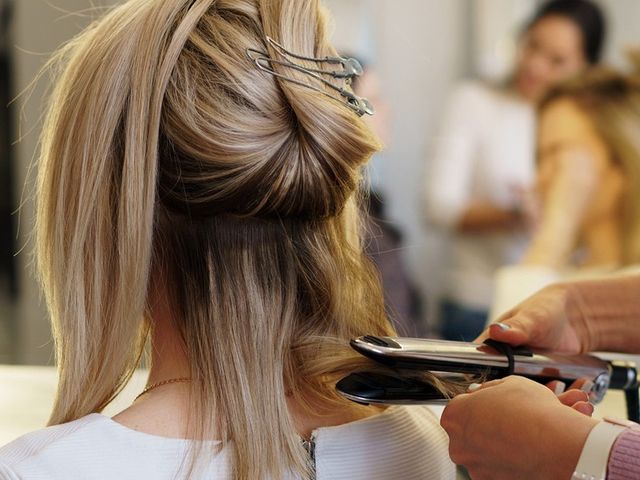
512 331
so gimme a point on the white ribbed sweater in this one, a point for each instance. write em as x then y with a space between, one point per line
403 443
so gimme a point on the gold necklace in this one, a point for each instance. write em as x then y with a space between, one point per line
159 384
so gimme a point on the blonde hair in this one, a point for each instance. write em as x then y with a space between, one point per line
167 154
611 99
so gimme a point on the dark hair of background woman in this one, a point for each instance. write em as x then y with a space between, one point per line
586 15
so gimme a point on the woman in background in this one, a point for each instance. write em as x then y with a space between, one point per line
198 191
589 185
484 159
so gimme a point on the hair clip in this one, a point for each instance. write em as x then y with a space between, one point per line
351 68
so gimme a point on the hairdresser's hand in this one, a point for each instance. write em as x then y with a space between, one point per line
553 319
576 396
515 428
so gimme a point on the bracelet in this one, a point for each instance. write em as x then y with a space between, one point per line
594 458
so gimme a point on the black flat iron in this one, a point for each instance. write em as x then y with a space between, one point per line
491 360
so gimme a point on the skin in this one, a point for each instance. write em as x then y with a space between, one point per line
164 411
534 435
581 189
579 317
551 51
515 428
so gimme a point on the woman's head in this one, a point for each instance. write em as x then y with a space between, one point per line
563 38
169 160
597 116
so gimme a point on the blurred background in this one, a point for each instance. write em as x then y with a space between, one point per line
419 50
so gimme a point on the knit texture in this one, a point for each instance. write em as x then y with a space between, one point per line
403 443
624 460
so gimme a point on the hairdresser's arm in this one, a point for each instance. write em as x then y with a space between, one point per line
576 317
515 428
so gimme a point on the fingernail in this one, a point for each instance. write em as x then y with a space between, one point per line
474 386
559 388
587 387
503 326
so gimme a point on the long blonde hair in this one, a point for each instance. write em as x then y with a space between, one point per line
167 154
611 99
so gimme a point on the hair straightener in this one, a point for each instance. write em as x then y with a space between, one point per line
491 360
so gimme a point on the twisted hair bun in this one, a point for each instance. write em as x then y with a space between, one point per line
165 154
238 140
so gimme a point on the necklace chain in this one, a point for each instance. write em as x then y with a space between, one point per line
164 382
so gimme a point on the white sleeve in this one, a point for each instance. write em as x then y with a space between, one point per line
450 169
594 458
7 474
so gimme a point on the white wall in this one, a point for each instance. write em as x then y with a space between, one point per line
39 28
624 31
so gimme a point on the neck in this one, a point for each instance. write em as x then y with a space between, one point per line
168 358
603 241
170 406
165 411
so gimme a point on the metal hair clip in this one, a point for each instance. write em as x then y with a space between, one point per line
350 68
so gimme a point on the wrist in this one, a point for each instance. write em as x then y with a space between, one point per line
595 456
565 439
606 312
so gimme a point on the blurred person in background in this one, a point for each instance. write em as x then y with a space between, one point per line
483 164
589 186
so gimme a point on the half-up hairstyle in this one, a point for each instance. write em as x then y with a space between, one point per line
168 155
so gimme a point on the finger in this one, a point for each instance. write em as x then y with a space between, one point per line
474 387
581 384
482 337
583 407
557 387
510 331
451 416
571 397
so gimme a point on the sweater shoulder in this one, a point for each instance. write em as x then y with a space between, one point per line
35 443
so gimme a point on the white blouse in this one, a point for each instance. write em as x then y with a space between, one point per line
484 152
402 443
